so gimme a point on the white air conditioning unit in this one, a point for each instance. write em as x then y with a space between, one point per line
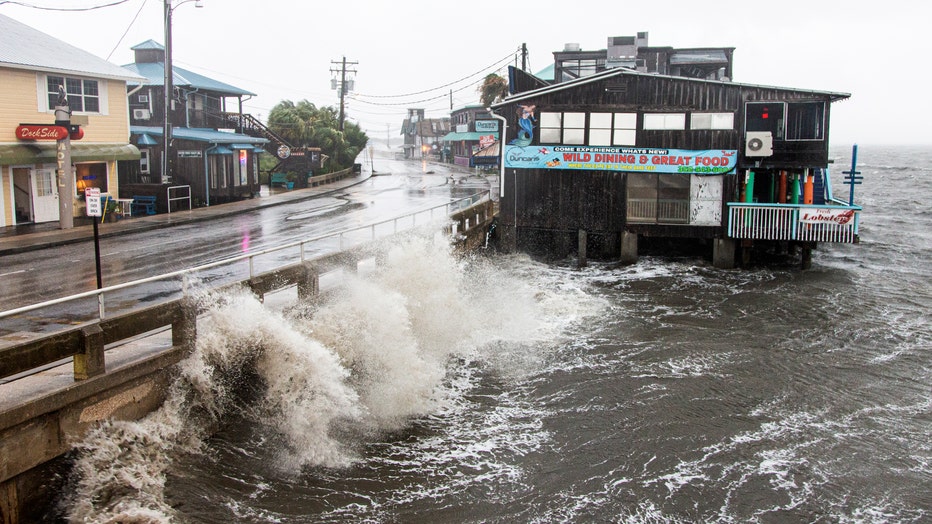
141 114
758 143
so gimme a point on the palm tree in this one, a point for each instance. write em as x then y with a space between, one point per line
493 89
304 124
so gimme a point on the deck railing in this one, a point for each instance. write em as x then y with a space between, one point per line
806 223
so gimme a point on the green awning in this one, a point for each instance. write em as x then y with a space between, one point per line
470 136
18 154
45 152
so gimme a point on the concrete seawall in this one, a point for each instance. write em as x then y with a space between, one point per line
119 368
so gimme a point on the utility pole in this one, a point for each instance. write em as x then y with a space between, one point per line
343 86
524 57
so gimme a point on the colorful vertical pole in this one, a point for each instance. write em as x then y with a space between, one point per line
808 187
794 197
781 188
853 177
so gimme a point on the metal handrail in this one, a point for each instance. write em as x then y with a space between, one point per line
99 293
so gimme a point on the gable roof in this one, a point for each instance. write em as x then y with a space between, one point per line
22 47
619 71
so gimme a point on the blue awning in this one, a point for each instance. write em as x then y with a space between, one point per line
219 150
146 140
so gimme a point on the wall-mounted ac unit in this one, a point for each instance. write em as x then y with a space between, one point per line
758 143
143 99
141 114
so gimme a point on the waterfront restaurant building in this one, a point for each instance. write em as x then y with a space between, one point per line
611 160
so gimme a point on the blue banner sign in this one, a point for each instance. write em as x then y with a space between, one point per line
605 158
487 126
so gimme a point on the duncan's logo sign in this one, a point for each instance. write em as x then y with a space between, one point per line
41 132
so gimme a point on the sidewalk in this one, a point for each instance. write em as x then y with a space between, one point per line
30 237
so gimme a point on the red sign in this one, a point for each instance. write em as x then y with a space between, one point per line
41 132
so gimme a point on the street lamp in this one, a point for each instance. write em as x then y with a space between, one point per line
167 129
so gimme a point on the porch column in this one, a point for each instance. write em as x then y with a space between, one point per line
581 261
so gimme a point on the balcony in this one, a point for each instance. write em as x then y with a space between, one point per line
794 222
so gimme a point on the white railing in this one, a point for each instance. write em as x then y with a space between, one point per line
168 195
783 222
179 282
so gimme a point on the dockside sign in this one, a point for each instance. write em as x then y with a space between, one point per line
41 132
604 158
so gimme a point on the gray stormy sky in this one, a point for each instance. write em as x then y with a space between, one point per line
415 53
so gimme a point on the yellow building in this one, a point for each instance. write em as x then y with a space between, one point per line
32 66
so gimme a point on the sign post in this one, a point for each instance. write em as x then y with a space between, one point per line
64 172
95 209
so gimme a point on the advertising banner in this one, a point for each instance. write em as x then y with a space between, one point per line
825 216
605 158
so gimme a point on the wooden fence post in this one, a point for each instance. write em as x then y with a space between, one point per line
90 361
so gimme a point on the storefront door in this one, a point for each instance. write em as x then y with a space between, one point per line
44 196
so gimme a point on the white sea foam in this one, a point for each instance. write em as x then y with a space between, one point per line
368 357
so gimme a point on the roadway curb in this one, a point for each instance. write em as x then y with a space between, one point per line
37 241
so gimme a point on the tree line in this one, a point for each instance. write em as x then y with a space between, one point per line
303 124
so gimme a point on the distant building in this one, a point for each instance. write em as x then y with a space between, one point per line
208 154
474 129
423 136
32 67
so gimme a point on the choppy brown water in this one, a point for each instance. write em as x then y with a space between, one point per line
505 390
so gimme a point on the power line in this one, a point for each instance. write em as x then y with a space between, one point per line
130 26
496 63
431 99
66 9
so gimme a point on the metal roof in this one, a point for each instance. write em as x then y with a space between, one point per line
22 47
200 134
617 71
154 72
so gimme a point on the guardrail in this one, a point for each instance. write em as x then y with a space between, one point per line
171 290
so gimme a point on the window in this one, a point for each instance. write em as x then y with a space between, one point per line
83 94
625 129
551 125
608 129
712 121
765 116
658 198
664 121
144 161
604 129
574 128
804 120
90 174
577 68
44 180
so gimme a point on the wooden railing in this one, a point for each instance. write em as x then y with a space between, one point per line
805 223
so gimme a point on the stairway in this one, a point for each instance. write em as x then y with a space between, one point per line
818 186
